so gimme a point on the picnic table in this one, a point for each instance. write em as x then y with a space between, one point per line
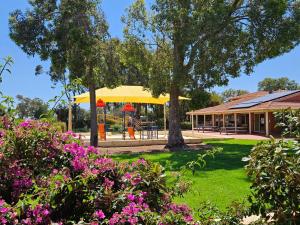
207 128
149 129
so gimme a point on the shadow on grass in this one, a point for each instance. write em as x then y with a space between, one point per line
229 159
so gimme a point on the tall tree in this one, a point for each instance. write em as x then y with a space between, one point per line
210 41
31 108
273 84
201 99
72 35
135 62
231 93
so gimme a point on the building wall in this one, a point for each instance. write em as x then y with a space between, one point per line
272 125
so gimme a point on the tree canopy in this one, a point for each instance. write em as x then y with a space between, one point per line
275 84
202 99
204 43
73 35
28 108
231 93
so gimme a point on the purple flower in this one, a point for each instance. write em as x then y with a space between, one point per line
136 180
78 164
3 220
99 214
131 197
25 123
2 133
127 176
92 149
142 161
108 183
70 133
46 212
114 219
4 210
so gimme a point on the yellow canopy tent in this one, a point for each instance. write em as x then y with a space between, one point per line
131 94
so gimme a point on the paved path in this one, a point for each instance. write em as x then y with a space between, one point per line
216 135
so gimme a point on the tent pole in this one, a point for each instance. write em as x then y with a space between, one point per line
70 116
165 121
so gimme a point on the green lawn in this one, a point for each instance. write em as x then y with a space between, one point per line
222 181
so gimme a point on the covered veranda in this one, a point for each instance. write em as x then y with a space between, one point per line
233 122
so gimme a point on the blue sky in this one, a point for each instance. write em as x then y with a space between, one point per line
23 81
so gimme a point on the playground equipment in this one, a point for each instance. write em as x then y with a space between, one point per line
133 94
101 119
130 109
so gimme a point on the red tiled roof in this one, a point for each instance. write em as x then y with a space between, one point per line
270 105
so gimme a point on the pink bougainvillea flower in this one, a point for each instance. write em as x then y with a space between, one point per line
136 180
4 210
108 183
92 149
78 163
2 133
94 223
70 133
99 214
127 176
131 197
142 161
25 124
46 212
3 220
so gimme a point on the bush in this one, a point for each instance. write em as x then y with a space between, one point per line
274 167
49 177
186 125
60 126
117 128
209 214
288 121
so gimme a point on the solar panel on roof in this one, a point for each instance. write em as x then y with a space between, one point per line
263 99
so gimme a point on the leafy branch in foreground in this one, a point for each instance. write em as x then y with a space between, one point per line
8 61
6 102
200 162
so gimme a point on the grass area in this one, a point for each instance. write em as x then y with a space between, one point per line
222 181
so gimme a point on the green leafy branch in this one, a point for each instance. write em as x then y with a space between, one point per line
6 102
200 162
8 61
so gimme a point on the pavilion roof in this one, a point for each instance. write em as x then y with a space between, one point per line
271 105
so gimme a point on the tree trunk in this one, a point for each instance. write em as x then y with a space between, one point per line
175 139
94 132
70 117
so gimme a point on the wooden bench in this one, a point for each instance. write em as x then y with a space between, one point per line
228 130
207 128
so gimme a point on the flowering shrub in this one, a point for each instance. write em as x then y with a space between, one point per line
50 177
